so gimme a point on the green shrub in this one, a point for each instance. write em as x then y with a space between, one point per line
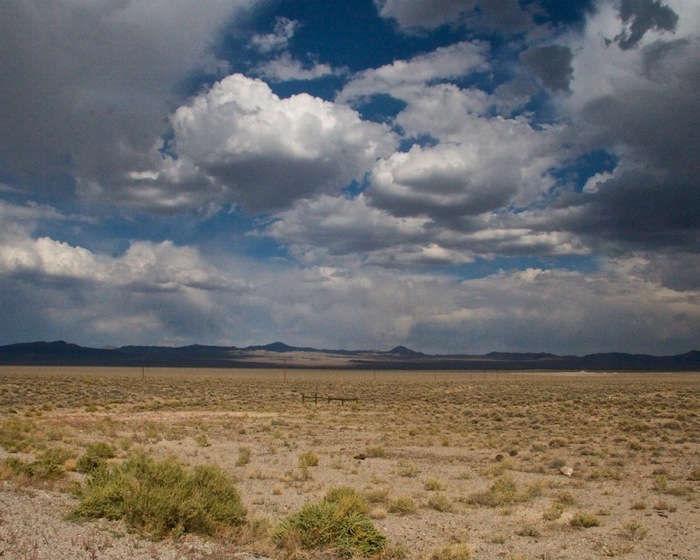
95 457
48 466
100 449
337 522
347 499
503 491
162 497
18 435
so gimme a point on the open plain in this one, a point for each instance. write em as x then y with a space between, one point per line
451 465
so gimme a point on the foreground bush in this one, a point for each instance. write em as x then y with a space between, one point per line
162 498
338 522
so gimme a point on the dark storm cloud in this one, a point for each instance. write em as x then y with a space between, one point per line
551 64
637 210
501 15
651 122
85 87
641 16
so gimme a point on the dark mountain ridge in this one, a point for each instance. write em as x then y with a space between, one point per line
279 354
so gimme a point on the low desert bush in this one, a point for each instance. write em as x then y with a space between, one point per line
376 452
407 469
662 484
48 466
503 491
17 435
433 484
376 495
161 498
402 505
243 456
337 523
440 502
634 531
529 531
457 551
583 520
308 459
95 457
553 512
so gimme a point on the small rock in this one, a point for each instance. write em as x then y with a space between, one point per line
360 457
513 452
566 471
499 457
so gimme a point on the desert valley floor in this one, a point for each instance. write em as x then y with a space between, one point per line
451 465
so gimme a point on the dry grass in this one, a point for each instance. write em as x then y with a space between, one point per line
432 454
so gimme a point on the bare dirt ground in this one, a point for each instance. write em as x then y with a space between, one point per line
442 458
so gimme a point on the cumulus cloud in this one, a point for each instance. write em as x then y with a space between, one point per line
338 226
482 164
146 266
443 180
350 232
263 152
149 292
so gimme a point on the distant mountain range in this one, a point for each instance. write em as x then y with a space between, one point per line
280 355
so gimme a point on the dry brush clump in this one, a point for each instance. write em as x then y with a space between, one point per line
337 523
161 498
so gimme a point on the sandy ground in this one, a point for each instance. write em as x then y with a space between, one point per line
634 468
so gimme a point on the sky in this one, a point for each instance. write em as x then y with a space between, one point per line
456 176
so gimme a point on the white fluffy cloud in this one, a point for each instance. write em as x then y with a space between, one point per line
263 152
443 180
485 164
145 265
401 78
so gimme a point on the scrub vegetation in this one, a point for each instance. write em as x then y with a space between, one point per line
422 465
